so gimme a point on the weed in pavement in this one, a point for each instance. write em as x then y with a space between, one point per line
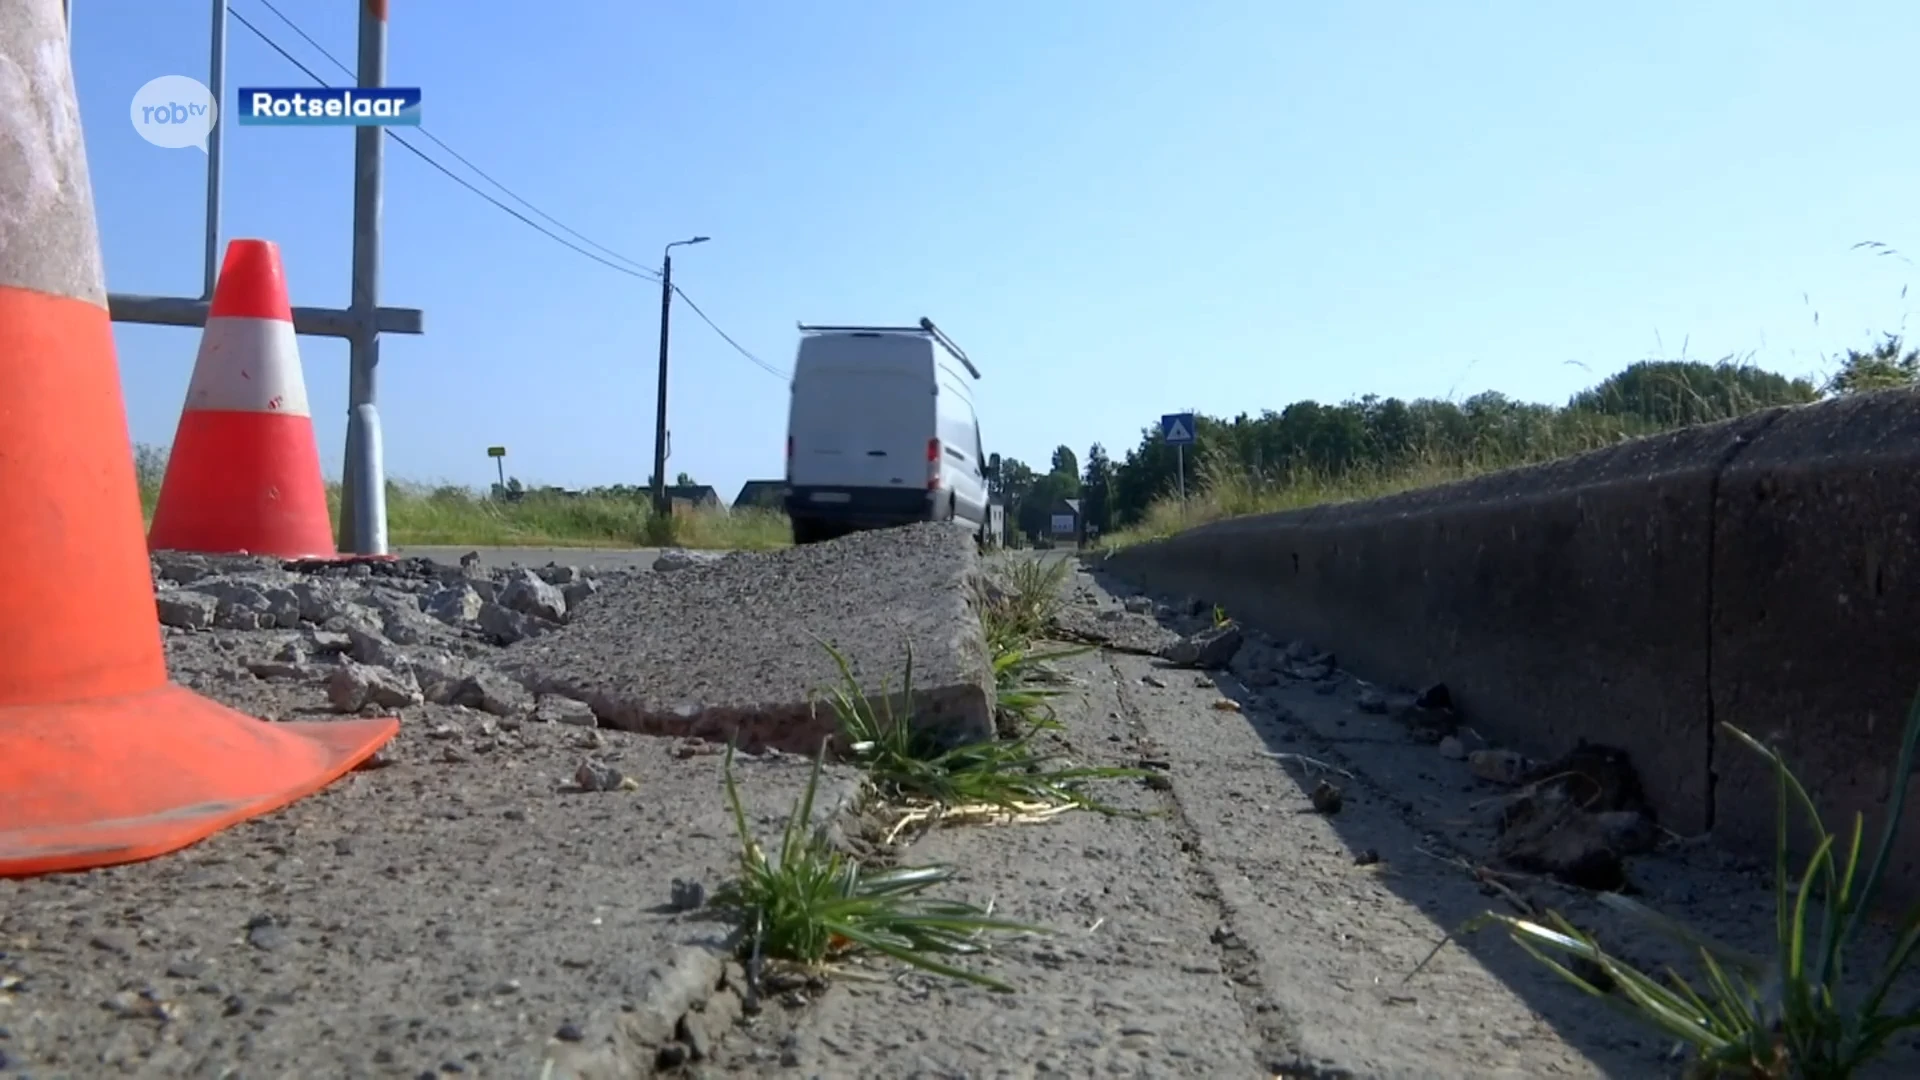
910 766
1785 1017
1017 605
1025 685
1016 608
812 904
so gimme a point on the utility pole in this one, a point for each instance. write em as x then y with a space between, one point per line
363 483
660 414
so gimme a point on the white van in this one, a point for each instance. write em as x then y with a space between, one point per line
882 432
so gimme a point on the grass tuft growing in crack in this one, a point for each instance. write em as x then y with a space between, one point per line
1788 1016
812 905
915 769
1018 604
1017 607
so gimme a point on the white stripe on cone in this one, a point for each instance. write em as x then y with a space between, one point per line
248 365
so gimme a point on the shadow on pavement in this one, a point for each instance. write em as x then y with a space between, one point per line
1447 809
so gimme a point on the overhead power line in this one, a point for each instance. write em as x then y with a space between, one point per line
643 274
633 268
724 336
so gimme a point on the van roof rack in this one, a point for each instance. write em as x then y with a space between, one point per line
926 327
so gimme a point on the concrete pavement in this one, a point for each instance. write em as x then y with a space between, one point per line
598 558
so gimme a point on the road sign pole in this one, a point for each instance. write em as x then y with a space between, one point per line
1178 430
499 456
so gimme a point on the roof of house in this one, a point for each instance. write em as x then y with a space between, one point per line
767 493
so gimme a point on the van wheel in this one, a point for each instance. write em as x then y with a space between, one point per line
805 532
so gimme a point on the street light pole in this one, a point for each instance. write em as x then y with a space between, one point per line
660 414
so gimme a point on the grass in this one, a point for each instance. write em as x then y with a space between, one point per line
1221 488
1789 1016
456 516
1223 485
921 776
1016 609
812 905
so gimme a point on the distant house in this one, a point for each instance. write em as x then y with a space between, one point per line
762 494
1064 519
693 497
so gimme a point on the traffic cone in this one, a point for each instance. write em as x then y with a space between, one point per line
244 471
102 760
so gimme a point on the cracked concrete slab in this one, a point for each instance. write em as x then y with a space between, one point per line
736 647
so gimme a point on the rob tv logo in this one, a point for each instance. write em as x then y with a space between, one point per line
175 112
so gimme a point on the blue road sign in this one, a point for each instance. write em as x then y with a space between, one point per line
1177 429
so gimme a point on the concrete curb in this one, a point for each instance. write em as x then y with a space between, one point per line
1759 571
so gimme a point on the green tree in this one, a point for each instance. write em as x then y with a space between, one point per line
1676 393
149 465
1312 442
1016 479
1884 367
1036 507
1096 488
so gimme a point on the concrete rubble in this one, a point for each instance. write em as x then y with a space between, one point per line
1577 818
377 636
712 646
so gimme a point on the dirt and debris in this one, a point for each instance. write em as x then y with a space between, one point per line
1578 817
504 879
518 889
1424 804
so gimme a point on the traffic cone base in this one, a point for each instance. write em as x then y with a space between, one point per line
244 472
116 780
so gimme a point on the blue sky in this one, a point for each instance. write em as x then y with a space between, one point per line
1119 208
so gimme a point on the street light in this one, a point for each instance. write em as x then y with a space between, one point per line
660 417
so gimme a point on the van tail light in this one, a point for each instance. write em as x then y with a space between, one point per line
933 464
789 459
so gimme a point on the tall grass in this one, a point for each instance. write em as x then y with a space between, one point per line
1222 488
1224 485
447 514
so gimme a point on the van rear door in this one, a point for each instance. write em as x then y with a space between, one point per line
862 427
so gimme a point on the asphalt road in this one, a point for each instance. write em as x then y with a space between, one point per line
602 558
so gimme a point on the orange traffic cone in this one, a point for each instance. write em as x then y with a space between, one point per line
102 761
244 472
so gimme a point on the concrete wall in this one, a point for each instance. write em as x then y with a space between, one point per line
1761 572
